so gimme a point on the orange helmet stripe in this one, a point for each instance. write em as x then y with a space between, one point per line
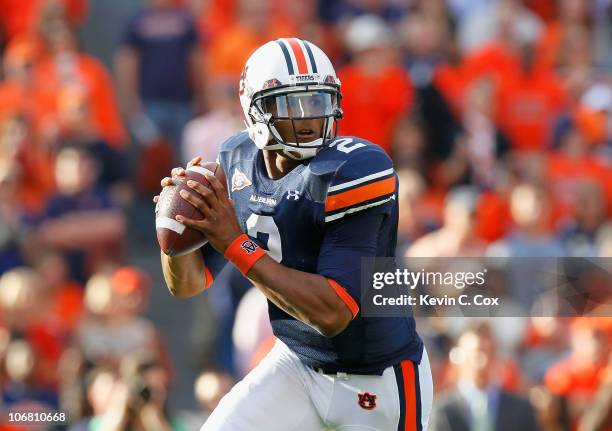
298 53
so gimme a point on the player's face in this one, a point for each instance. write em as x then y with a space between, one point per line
300 117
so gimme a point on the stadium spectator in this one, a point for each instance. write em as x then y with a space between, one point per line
67 68
81 219
530 238
204 135
115 326
543 344
159 69
551 409
529 102
252 27
572 164
20 17
578 236
209 387
456 237
340 11
425 38
17 88
138 400
25 305
99 383
478 402
580 376
21 390
20 155
12 232
572 24
413 218
374 70
486 145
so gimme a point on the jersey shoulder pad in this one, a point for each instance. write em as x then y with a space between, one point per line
240 139
363 179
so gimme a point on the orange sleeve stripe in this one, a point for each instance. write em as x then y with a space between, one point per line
410 395
360 194
209 277
345 297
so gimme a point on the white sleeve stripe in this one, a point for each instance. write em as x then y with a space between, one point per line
360 180
355 209
200 170
168 223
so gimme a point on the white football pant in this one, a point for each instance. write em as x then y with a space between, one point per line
282 394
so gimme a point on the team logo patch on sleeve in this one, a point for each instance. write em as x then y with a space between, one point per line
367 401
239 180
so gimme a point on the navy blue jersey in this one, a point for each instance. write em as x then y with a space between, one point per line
323 217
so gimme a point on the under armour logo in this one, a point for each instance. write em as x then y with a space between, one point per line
367 401
293 194
248 246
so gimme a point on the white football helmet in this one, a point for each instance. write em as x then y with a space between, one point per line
288 80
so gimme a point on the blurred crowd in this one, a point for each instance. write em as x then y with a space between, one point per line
497 114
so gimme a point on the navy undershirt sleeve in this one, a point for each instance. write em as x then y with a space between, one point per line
345 243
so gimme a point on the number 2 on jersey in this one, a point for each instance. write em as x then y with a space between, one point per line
265 230
344 145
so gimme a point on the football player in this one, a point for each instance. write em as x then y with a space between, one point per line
302 207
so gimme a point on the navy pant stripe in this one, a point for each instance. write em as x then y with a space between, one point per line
418 397
401 426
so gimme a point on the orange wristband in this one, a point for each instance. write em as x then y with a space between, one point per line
243 252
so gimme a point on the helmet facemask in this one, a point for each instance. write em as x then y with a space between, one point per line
295 105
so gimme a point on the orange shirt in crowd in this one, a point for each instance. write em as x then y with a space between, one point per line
21 16
12 98
493 60
581 377
228 53
564 175
33 191
215 17
527 106
373 104
68 305
574 378
88 74
493 217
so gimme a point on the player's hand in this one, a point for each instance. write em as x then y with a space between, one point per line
176 172
220 224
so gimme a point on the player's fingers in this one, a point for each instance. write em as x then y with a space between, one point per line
166 181
156 198
194 161
197 202
218 188
177 172
207 194
201 225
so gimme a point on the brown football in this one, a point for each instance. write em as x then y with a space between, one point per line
174 238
